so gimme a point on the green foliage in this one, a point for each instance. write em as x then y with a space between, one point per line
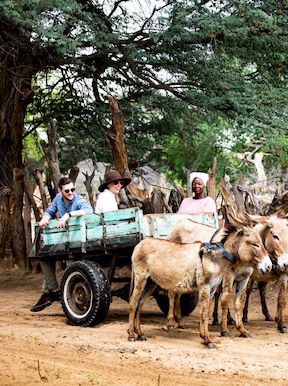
276 147
31 148
186 74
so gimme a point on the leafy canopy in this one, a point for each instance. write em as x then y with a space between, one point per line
183 71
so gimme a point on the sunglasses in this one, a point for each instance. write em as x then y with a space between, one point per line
117 182
70 190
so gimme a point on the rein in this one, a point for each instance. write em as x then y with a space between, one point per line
220 247
214 234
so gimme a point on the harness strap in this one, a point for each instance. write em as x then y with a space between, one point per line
215 234
220 248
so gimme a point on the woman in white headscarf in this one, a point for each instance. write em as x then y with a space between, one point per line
199 203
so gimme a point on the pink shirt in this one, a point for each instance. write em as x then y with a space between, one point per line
203 205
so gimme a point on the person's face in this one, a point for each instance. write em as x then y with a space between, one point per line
68 191
115 186
197 186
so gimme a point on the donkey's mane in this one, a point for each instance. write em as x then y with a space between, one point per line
227 231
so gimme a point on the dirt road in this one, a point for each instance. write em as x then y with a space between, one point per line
41 348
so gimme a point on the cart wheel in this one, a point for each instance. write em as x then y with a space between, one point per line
86 294
188 301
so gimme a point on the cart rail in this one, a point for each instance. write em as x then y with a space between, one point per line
100 234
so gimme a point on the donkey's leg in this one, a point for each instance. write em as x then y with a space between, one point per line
281 303
149 288
239 304
178 311
248 293
230 319
139 285
205 302
174 305
262 285
215 321
227 286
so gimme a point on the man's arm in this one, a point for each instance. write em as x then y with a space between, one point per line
84 208
49 213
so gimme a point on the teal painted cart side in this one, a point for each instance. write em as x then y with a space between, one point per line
159 225
92 233
110 231
102 234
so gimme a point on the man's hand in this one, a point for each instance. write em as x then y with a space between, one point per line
63 220
44 222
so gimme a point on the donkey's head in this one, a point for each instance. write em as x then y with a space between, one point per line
275 239
247 245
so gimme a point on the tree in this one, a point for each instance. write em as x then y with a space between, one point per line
212 56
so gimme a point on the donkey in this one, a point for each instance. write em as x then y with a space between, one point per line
274 234
179 268
238 276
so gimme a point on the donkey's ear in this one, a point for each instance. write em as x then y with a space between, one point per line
246 231
267 226
257 219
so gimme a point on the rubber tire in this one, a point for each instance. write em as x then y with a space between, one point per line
86 293
188 302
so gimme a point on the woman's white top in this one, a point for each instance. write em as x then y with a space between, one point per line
106 202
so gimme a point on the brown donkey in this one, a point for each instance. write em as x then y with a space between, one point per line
184 268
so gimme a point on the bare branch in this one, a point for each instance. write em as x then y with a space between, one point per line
116 5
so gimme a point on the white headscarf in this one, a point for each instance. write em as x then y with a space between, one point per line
203 176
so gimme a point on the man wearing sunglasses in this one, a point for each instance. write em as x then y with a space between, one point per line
66 204
110 189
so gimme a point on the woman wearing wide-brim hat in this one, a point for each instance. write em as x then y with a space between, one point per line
113 183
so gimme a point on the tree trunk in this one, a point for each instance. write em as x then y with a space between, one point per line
16 71
116 141
50 151
89 187
5 237
40 183
211 184
73 174
29 188
17 221
28 226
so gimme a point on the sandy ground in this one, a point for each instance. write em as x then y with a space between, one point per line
41 348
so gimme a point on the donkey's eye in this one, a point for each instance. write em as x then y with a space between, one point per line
255 245
276 237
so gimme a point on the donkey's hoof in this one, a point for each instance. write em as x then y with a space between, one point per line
210 345
225 333
283 330
182 327
269 318
142 338
245 335
168 328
